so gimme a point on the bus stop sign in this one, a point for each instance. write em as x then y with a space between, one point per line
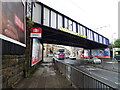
36 32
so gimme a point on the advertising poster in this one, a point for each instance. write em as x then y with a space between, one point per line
12 17
36 52
101 53
86 53
115 49
81 53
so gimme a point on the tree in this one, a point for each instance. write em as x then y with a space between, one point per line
117 43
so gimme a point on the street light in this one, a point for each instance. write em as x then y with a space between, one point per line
112 48
113 42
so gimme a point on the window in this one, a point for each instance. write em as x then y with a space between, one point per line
53 19
59 21
37 13
46 17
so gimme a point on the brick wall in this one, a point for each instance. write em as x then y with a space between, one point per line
12 69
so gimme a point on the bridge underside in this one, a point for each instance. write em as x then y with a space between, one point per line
53 36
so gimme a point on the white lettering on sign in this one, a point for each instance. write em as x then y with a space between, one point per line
35 35
36 32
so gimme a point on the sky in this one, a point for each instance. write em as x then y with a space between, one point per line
98 15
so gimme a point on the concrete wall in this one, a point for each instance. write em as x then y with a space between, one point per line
12 69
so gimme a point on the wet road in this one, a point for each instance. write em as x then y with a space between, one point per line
108 76
104 75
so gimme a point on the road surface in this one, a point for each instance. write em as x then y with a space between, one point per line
108 76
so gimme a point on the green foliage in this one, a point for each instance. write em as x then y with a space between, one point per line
29 24
111 45
117 43
32 69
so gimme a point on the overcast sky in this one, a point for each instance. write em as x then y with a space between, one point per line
99 15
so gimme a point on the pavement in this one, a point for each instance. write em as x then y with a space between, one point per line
45 77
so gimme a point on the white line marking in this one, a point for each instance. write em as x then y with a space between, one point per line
111 62
117 83
104 78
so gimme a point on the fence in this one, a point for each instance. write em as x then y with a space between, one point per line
81 79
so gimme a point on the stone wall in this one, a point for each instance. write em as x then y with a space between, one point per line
12 69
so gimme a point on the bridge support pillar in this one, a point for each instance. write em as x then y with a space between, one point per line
90 53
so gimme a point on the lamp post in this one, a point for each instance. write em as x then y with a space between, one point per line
113 43
112 49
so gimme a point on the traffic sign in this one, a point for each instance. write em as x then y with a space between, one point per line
36 32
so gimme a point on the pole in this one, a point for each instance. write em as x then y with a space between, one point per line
112 50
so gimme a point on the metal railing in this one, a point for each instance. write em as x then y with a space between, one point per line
81 79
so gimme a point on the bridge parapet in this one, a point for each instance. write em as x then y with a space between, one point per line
44 15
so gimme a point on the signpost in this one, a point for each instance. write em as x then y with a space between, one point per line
36 32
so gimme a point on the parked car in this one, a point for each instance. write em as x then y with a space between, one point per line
94 60
66 56
72 57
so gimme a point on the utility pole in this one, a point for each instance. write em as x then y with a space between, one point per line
112 49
